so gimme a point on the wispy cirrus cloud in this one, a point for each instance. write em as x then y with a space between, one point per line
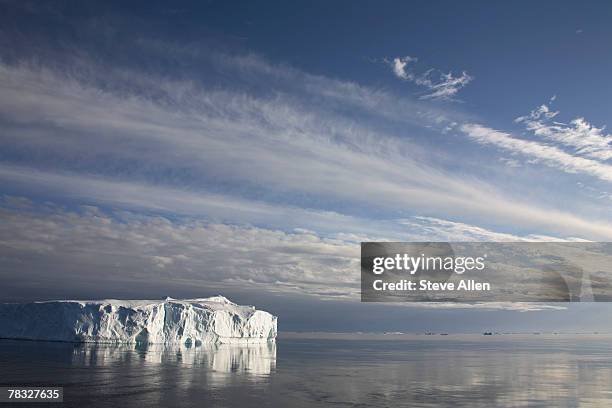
292 147
286 173
440 85
167 151
550 155
575 147
446 230
584 138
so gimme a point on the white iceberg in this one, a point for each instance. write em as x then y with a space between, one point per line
169 321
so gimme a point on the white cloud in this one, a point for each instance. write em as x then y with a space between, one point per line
277 143
435 229
448 86
542 153
515 306
399 67
510 162
585 139
122 248
110 249
445 87
228 208
163 261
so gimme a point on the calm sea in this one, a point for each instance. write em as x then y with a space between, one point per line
426 371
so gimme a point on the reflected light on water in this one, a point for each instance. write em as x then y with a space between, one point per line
453 371
253 361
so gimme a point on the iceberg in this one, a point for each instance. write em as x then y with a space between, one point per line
213 320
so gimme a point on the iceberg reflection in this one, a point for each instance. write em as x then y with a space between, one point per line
220 364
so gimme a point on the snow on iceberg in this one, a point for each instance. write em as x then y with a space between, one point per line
168 321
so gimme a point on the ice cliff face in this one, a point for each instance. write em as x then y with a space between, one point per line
168 321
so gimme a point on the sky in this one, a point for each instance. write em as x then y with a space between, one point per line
247 148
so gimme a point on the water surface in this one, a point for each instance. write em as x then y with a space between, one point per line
426 371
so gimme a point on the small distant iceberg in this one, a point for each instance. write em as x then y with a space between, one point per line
213 320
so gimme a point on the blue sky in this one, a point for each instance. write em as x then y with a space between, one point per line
185 150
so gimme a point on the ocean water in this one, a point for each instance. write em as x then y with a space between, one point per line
358 371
